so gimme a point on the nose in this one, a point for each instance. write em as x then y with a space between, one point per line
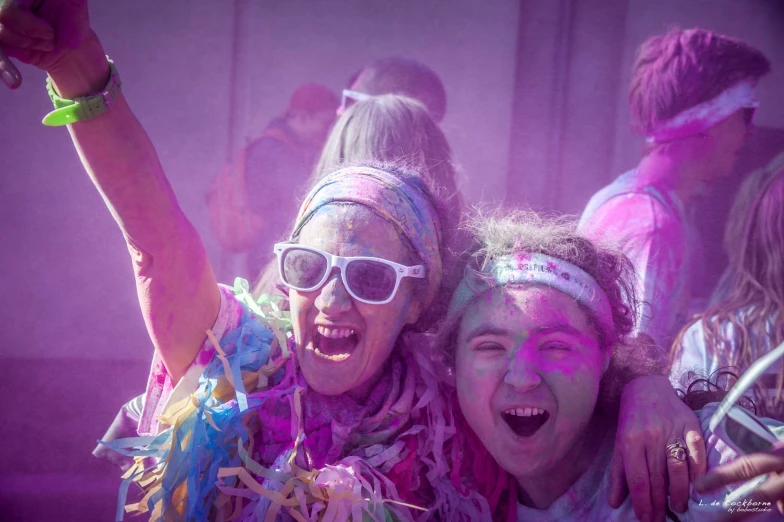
522 373
333 297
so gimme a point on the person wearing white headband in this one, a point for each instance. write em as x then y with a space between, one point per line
539 337
692 97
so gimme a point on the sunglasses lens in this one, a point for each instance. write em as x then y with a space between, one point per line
744 438
303 269
371 280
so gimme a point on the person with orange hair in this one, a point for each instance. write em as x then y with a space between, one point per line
692 96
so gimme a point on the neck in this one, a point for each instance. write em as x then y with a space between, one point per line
541 491
661 169
361 392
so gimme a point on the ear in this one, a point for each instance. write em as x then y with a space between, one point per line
414 309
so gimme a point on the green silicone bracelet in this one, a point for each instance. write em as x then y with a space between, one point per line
85 107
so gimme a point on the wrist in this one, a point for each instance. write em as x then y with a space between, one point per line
82 71
659 382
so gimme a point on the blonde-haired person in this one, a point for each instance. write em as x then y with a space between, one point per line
692 97
736 222
750 320
539 335
388 128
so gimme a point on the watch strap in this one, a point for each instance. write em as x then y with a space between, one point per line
84 107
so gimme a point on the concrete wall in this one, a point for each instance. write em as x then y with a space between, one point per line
564 109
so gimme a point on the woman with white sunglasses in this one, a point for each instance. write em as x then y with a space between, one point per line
345 417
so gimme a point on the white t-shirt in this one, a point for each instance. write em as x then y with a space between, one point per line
652 228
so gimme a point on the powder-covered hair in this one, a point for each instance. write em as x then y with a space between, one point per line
394 133
412 78
755 303
507 232
684 68
393 128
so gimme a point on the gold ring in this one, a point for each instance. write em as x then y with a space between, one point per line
677 450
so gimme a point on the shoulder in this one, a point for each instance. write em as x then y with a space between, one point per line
642 205
632 214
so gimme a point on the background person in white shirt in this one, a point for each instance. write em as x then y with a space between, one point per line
692 96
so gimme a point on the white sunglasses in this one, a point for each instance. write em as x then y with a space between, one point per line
369 280
350 97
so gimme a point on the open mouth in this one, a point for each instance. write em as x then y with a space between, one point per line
334 344
524 422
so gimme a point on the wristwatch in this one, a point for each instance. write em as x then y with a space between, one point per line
84 107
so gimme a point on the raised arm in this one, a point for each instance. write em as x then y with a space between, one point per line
177 290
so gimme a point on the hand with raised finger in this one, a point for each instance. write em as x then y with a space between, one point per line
748 467
40 33
652 422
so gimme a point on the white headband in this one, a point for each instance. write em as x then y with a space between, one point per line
705 115
533 268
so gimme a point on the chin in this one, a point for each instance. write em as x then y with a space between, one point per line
328 377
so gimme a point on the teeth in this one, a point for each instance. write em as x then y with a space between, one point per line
524 412
334 333
337 357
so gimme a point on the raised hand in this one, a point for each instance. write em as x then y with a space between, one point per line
41 33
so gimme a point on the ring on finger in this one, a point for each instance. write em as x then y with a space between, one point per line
677 450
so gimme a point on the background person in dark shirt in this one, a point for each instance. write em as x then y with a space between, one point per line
279 163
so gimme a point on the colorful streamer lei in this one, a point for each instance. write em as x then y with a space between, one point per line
202 467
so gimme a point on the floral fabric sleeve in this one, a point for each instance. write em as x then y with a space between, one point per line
161 391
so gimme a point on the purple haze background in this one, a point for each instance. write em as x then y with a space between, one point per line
537 115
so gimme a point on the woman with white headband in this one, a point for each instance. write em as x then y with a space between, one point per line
692 97
538 335
331 412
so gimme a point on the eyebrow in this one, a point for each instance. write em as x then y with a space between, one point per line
557 328
486 329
